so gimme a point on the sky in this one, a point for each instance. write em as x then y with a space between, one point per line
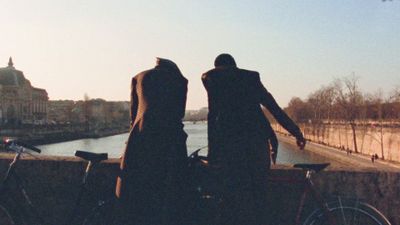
73 47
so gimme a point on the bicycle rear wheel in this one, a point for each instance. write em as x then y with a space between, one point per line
5 217
349 212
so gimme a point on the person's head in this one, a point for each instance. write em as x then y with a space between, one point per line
224 60
168 64
165 62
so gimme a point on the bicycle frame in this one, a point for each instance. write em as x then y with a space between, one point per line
309 188
11 173
25 207
82 190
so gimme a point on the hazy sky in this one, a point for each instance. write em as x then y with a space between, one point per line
74 47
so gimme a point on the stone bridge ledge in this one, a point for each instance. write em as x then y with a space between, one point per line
52 184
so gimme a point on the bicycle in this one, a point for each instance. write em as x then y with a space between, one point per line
24 212
341 211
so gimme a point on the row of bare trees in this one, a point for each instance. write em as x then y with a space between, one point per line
343 102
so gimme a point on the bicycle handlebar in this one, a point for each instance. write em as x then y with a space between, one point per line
11 142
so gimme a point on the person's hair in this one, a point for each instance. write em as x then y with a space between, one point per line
169 64
224 60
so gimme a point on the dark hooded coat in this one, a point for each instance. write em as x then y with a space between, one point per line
235 114
154 161
238 132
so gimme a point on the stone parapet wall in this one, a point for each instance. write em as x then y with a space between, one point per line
52 184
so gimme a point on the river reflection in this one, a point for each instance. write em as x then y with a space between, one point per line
197 138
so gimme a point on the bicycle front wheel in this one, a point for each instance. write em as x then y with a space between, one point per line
5 217
351 212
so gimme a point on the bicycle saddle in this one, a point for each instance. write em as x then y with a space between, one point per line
314 167
90 156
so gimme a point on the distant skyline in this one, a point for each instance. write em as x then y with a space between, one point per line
73 47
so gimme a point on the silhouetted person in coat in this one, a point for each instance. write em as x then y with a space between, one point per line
238 134
153 165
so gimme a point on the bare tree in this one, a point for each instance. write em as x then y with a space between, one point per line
299 110
86 110
394 100
376 101
350 100
343 105
315 101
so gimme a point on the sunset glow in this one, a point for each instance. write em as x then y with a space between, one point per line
75 47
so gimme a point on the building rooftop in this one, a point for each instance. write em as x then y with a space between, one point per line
9 76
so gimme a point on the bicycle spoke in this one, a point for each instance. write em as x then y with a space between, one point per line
355 218
341 206
348 212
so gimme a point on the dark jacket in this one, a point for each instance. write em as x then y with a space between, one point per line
235 114
239 136
153 164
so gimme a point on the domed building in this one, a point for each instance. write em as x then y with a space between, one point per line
20 102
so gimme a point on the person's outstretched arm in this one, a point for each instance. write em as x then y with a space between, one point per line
268 101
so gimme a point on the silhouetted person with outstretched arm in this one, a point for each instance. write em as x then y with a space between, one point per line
153 165
238 133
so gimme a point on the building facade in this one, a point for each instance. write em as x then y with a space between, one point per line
20 102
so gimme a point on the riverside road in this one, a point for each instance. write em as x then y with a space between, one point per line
340 160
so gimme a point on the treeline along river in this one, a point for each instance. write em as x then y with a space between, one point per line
197 138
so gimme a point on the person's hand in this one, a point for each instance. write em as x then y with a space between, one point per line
301 142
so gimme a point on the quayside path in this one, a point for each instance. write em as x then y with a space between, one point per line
340 160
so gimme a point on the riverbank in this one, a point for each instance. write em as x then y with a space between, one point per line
50 136
61 137
380 140
347 161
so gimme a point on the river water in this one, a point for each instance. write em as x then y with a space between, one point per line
197 138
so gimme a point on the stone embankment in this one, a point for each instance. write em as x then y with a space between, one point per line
47 134
52 184
372 138
342 160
